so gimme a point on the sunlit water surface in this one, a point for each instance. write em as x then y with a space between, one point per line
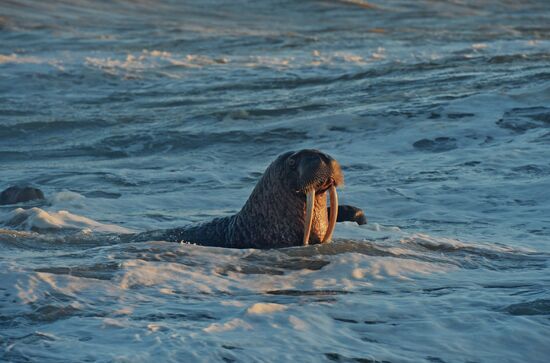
139 115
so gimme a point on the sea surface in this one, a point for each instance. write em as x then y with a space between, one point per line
141 115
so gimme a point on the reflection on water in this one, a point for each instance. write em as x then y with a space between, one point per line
135 116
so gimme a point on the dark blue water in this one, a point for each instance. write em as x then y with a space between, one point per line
139 115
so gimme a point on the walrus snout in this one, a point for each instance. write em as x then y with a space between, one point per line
315 171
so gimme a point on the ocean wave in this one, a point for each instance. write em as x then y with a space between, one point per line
37 219
148 115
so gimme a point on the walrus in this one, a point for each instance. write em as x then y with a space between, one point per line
288 207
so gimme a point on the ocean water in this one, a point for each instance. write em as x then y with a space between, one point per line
140 115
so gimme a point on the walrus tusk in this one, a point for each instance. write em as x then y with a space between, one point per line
333 213
310 206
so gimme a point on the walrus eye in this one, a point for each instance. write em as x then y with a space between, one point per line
292 163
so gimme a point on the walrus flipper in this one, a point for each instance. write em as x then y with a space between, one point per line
349 213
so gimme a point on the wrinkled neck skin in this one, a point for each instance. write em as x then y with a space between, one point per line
272 217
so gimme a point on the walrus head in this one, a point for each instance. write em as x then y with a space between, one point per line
314 173
288 206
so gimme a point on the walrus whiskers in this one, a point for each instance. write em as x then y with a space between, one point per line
333 213
310 206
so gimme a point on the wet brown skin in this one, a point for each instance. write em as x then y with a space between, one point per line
273 216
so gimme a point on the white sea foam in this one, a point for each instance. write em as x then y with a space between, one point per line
151 60
134 65
40 219
30 61
385 299
265 308
14 58
66 196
